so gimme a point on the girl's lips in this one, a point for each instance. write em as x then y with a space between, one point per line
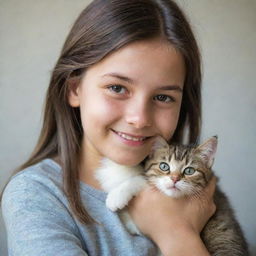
131 137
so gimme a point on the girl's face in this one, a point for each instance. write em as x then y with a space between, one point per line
129 98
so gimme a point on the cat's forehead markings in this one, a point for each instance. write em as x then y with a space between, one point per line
163 158
189 161
177 153
176 165
180 154
170 155
173 166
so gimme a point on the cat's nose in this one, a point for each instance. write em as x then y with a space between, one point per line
175 179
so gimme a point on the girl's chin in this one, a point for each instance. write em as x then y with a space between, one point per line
131 161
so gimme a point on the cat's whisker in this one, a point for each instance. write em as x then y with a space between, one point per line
200 196
153 186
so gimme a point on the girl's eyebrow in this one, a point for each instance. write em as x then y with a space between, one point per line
121 77
131 81
171 88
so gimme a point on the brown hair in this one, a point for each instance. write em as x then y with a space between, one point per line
103 27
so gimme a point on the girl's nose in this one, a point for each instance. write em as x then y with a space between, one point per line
139 115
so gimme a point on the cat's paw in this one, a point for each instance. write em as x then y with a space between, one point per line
115 203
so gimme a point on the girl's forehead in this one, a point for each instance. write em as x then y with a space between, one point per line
154 60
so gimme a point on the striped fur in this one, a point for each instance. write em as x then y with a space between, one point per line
178 157
222 235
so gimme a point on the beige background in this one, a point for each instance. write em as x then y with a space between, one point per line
32 33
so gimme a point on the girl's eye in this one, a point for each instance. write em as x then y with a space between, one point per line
117 89
164 167
163 98
189 171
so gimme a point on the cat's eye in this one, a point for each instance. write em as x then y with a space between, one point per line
189 171
164 167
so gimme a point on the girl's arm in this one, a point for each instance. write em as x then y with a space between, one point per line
37 222
174 224
178 242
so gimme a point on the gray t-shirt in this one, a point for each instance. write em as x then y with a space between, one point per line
39 221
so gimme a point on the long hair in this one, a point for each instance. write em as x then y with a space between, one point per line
103 27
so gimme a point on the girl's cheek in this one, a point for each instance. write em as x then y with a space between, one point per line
110 107
103 109
168 122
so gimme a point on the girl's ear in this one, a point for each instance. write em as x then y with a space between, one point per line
73 93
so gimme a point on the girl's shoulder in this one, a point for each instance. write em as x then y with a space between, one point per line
37 185
37 215
45 174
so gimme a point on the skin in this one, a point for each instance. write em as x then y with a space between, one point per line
126 101
136 91
177 222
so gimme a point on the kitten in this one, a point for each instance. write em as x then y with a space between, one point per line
177 171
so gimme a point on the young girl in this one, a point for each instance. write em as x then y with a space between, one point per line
128 72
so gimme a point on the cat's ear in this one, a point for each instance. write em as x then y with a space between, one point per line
207 150
159 144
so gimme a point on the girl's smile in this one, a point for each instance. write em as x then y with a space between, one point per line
131 139
126 100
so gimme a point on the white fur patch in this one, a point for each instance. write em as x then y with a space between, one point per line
121 182
167 186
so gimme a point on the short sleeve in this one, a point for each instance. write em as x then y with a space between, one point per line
37 221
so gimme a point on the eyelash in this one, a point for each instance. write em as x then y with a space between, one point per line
116 89
167 98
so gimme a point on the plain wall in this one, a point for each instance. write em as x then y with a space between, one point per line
32 33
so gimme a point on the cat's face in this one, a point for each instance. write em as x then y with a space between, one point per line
180 170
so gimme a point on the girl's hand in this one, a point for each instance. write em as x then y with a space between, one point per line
166 219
